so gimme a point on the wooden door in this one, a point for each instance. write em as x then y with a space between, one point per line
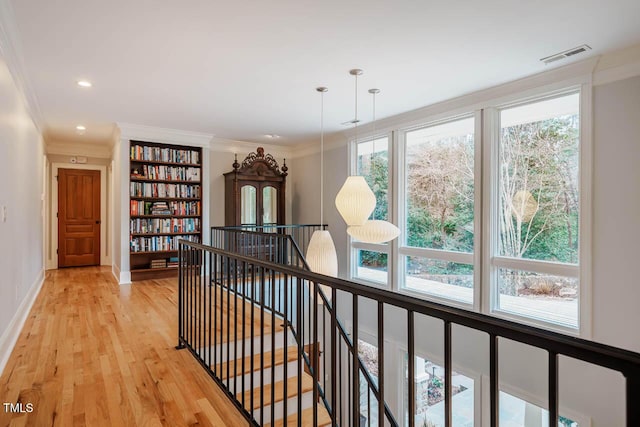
78 217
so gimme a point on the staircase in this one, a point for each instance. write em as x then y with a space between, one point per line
263 371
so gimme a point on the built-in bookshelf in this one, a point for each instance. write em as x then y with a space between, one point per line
165 191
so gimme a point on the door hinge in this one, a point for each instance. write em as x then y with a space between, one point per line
57 251
56 214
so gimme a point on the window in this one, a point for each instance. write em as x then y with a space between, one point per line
439 210
488 204
370 261
535 269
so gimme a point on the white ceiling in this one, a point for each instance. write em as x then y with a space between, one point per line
243 69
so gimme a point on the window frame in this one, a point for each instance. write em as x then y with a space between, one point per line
485 263
492 260
385 248
403 250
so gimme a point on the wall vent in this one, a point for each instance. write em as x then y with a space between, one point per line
565 54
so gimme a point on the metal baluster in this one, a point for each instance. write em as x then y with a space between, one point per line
633 397
494 392
262 306
381 400
286 359
180 300
412 369
273 350
334 366
244 327
314 356
300 348
235 327
215 316
553 388
448 413
252 345
211 307
356 363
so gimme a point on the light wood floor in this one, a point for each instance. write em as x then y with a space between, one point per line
95 353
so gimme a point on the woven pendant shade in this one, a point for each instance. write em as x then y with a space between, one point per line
374 231
355 201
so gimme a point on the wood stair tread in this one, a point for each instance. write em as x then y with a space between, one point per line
292 354
324 419
292 390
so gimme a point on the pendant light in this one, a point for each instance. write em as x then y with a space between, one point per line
373 230
355 201
321 253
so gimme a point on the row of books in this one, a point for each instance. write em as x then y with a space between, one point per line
158 263
140 152
150 189
140 207
166 173
168 225
159 243
164 263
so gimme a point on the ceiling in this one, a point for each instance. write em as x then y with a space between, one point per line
243 69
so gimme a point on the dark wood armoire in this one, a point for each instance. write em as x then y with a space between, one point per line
255 191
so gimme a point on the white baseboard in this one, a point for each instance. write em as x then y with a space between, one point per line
122 277
10 336
125 277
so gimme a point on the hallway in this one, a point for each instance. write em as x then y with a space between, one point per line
96 353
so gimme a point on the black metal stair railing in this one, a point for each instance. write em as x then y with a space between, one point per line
281 244
218 287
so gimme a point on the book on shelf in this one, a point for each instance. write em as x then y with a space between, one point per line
158 263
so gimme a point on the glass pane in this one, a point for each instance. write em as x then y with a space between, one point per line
430 383
439 278
248 205
540 296
515 412
373 164
372 266
269 205
538 188
439 185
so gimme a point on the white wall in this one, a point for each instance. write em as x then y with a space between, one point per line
21 194
585 390
616 211
305 191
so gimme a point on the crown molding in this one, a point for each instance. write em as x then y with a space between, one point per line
10 49
129 131
618 65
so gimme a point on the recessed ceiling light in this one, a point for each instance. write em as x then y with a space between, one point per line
84 83
80 127
272 136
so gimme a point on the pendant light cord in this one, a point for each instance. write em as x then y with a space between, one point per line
321 159
373 150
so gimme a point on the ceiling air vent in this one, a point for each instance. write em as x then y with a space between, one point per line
565 54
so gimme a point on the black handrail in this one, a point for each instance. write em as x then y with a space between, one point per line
624 361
